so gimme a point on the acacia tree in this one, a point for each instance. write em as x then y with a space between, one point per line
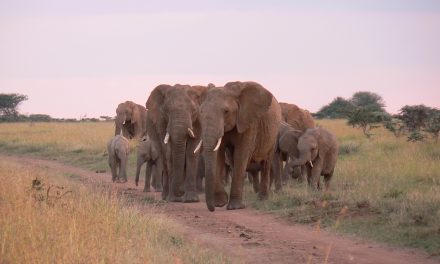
338 108
368 111
9 104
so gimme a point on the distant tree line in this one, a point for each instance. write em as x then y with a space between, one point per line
366 111
9 112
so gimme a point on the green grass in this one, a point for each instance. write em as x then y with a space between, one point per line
384 188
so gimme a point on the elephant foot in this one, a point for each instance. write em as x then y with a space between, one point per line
220 199
235 204
262 196
256 187
147 190
174 199
190 197
122 180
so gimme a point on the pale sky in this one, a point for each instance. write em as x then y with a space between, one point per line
84 57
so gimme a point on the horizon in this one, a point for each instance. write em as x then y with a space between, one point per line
81 58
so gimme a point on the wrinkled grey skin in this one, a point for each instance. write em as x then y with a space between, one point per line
130 120
118 150
201 170
175 110
319 147
246 117
147 152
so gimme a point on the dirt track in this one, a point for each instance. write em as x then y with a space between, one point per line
250 236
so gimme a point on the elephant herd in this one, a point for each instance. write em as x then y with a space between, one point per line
193 132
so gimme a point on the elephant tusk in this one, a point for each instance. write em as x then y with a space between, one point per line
166 139
198 147
123 122
191 133
218 144
311 163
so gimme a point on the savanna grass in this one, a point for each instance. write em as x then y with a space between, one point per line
384 188
47 219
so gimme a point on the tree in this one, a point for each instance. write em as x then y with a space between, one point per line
338 108
414 116
369 100
367 119
9 104
433 123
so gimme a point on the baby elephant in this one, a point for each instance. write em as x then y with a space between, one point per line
147 152
318 150
118 149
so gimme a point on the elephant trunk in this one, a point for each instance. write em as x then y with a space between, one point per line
119 122
210 146
210 158
178 151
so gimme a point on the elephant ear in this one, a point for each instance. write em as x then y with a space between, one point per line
155 101
289 140
197 93
253 102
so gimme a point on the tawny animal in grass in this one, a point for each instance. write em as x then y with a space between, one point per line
318 150
131 119
118 150
147 152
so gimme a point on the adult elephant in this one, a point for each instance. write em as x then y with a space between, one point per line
131 120
297 117
243 117
173 122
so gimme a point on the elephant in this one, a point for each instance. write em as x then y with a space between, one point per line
318 149
173 123
147 152
118 150
201 170
130 120
242 117
298 118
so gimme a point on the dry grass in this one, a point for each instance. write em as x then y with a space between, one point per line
391 187
69 223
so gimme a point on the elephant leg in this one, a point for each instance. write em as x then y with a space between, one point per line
220 195
123 170
191 195
255 180
303 176
157 177
327 178
148 176
236 195
139 163
315 174
275 171
200 174
165 178
112 164
264 180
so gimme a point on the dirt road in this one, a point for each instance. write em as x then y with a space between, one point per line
250 236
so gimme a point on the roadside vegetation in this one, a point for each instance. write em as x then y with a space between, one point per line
45 218
384 187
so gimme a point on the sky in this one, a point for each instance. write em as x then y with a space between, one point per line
82 58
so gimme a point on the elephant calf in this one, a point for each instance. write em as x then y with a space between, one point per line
118 150
148 153
318 149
